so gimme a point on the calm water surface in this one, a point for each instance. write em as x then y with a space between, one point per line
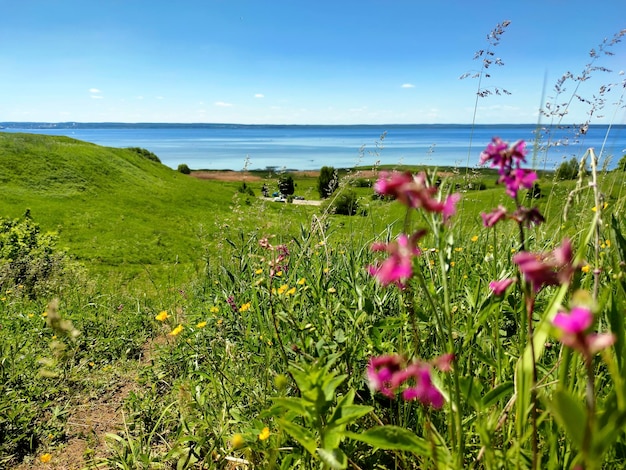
311 147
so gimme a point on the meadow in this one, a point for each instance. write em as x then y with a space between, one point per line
460 318
198 326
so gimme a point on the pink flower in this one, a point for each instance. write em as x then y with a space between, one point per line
573 327
547 269
380 372
577 321
422 388
399 266
517 179
386 375
499 154
495 216
500 287
413 191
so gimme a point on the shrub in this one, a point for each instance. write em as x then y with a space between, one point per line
345 203
327 181
28 258
145 153
184 169
567 170
245 189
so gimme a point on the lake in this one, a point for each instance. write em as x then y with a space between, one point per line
226 146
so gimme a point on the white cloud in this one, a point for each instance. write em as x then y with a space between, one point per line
222 104
259 95
408 85
94 90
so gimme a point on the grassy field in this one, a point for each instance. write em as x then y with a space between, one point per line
198 326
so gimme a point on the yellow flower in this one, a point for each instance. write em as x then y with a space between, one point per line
176 331
265 434
332 290
458 249
258 271
45 458
279 273
219 322
236 441
301 281
214 309
607 243
586 268
474 238
452 263
282 289
162 316
31 315
326 270
245 307
202 324
291 291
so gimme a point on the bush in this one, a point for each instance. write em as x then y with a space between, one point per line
245 189
28 258
327 181
345 203
184 169
567 170
145 153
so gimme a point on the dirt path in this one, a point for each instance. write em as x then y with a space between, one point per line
90 421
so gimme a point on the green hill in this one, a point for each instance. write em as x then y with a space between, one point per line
111 207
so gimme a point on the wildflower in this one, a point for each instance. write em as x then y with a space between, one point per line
291 291
45 458
492 218
202 324
214 309
232 304
517 179
528 217
282 289
474 238
162 316
386 375
547 269
301 281
332 290
176 331
265 434
236 441
245 307
500 287
573 327
258 271
380 371
586 268
399 266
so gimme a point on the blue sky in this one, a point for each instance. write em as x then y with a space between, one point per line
298 61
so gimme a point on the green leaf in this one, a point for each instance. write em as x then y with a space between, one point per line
497 393
347 414
333 458
300 434
392 438
570 414
297 405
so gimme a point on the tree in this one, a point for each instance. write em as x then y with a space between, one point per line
327 181
621 165
285 184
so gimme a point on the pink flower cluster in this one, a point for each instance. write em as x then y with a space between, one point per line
542 269
508 160
388 375
280 260
574 326
413 191
398 267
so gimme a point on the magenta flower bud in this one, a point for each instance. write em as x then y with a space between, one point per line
500 287
493 217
